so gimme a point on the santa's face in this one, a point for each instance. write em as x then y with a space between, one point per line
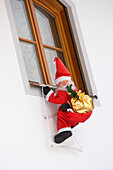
63 83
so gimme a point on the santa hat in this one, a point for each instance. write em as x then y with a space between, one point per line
61 71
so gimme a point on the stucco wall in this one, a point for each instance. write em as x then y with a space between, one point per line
23 131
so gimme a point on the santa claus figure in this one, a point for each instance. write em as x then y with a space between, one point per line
67 118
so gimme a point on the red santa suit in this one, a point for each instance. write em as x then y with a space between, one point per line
65 119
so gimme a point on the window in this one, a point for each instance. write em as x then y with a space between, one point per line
44 34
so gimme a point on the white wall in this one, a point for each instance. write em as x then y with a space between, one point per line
23 131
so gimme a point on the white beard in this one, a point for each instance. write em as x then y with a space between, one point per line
73 85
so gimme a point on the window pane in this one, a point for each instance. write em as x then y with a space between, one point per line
21 19
31 62
50 55
48 27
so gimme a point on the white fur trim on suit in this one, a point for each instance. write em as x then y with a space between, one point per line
64 129
49 94
70 110
62 78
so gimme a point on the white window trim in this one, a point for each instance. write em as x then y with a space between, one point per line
80 45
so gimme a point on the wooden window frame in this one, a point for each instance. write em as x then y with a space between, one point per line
56 9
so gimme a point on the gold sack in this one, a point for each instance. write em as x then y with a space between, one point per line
82 105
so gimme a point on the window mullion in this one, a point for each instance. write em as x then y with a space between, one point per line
40 48
53 48
26 40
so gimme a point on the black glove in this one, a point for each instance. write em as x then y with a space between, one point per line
46 89
65 106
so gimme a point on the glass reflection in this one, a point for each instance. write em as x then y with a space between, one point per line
48 27
21 19
31 62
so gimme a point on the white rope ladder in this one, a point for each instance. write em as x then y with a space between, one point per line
71 142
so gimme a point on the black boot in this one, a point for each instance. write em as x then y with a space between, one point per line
62 136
